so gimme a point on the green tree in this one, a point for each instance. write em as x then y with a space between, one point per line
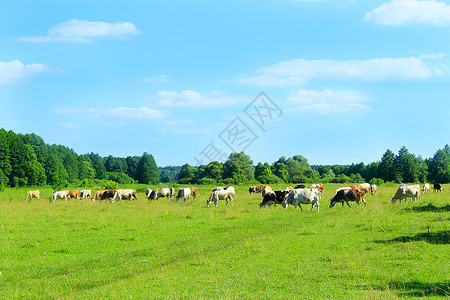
187 174
147 170
239 166
386 166
439 166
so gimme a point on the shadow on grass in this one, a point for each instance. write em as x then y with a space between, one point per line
429 207
441 237
417 289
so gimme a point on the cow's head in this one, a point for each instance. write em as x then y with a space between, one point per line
333 202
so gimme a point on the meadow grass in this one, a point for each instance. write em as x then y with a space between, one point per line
173 250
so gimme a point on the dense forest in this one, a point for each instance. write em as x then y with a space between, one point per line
26 160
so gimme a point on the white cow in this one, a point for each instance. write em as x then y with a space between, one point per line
184 194
33 194
366 187
220 195
426 188
373 189
148 192
404 191
304 196
85 194
59 195
124 193
159 193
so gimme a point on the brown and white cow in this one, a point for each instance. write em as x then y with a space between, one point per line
33 194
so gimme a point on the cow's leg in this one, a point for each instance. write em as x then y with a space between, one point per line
348 203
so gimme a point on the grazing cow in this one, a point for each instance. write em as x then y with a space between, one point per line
426 188
159 193
252 190
319 186
303 196
85 194
347 195
300 186
193 191
266 190
59 195
373 189
73 194
437 187
98 195
108 194
220 195
33 194
275 197
366 187
127 194
184 194
405 191
345 188
219 188
356 187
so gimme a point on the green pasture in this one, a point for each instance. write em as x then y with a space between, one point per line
173 250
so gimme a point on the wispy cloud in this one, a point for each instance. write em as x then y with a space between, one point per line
329 102
80 31
136 113
155 79
140 113
407 12
195 99
184 127
300 71
16 71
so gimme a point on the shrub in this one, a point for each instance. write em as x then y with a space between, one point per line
111 185
207 181
376 181
229 181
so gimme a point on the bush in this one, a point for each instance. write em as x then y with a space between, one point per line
207 180
229 181
376 181
269 179
86 182
111 185
341 178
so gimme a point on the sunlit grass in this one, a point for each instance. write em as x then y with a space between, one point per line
169 249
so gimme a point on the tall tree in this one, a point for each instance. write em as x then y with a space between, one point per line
147 170
239 166
386 167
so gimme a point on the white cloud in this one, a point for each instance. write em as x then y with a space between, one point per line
113 113
299 71
327 96
195 99
16 71
331 109
155 79
183 127
329 102
407 12
80 31
135 113
68 125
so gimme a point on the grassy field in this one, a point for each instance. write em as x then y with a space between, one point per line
171 250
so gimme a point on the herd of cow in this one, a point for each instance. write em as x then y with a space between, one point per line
289 196
355 193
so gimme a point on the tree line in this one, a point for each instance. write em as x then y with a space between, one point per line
26 160
401 167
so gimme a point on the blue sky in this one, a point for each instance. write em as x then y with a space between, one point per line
345 80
